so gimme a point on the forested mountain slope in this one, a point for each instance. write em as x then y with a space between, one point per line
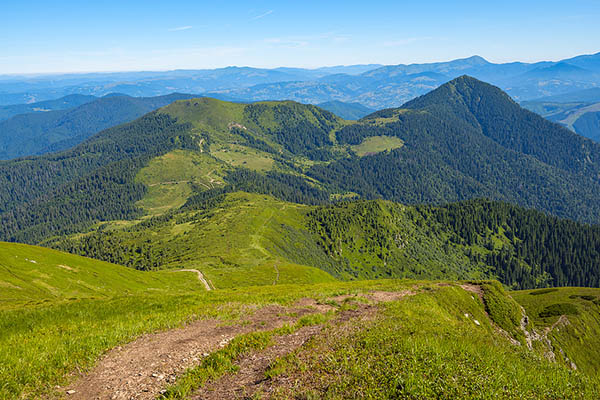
43 132
243 239
465 140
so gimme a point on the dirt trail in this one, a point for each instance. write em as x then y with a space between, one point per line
142 368
200 277
251 380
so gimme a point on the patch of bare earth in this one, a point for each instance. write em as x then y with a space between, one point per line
250 380
142 368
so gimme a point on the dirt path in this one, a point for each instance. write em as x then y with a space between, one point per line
142 368
200 277
250 379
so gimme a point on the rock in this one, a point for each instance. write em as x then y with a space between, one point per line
476 322
71 391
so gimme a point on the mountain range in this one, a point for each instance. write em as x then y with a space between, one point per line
464 140
373 86
233 247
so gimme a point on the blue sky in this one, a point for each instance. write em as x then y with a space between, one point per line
73 36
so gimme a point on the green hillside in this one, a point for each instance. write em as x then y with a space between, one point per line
242 239
466 139
570 318
36 275
440 338
34 133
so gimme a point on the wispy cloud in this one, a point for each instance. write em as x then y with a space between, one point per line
261 15
180 28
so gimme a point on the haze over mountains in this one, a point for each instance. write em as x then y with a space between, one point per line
374 86
565 92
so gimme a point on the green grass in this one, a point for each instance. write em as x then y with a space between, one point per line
31 275
243 156
377 144
44 339
424 347
222 361
502 309
170 178
247 240
580 335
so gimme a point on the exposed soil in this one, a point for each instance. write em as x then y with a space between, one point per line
251 379
473 289
142 368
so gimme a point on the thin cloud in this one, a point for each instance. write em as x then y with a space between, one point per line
261 15
181 28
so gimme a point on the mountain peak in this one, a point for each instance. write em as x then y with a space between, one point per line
462 90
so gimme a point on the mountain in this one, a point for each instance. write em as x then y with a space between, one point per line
475 239
43 132
372 85
350 111
28 89
578 111
392 85
464 140
70 101
252 231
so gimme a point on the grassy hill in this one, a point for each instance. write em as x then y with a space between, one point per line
35 275
439 338
241 239
569 317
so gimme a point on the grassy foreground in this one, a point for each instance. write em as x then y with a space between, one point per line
68 321
59 314
438 344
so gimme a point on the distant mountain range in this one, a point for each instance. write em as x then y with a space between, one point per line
578 111
373 86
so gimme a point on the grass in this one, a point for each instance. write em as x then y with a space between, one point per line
377 144
223 361
45 339
502 309
249 239
170 177
580 334
31 275
243 156
425 347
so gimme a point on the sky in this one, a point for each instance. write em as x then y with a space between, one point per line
129 35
